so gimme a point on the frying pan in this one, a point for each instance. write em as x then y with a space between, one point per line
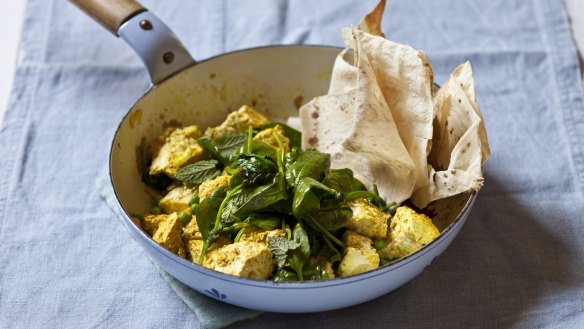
276 80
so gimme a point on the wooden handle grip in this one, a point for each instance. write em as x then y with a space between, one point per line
110 13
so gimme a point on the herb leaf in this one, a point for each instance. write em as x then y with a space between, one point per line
280 246
229 145
197 173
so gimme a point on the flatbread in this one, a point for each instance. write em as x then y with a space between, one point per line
347 124
460 146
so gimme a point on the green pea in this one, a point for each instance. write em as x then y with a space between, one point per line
194 199
138 215
385 261
184 218
379 244
157 200
194 208
156 211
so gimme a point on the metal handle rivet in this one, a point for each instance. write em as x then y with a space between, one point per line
168 57
146 25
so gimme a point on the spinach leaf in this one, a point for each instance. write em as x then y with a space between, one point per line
207 211
261 148
334 213
293 135
307 195
299 255
265 221
224 147
212 148
197 173
255 169
306 206
310 163
255 199
342 180
283 274
314 272
292 156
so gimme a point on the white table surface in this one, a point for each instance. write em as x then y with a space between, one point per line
11 20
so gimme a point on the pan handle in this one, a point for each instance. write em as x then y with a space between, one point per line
160 50
110 13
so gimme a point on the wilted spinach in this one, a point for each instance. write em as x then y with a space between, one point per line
254 169
310 163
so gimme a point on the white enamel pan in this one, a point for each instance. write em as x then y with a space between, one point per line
276 80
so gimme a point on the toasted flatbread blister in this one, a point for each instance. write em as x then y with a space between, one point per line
381 119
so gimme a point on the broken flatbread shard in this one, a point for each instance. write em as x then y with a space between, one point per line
460 146
371 23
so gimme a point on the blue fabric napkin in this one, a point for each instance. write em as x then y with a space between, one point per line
66 262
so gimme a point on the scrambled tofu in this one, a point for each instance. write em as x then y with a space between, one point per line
195 247
360 256
254 234
409 231
367 219
179 147
168 234
176 200
238 121
151 222
191 231
267 137
246 259
207 188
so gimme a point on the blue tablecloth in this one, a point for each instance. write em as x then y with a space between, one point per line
66 262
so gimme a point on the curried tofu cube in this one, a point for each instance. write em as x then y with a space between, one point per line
245 259
238 121
168 235
254 234
359 255
151 222
367 219
195 247
179 147
209 186
191 231
409 231
177 199
267 137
